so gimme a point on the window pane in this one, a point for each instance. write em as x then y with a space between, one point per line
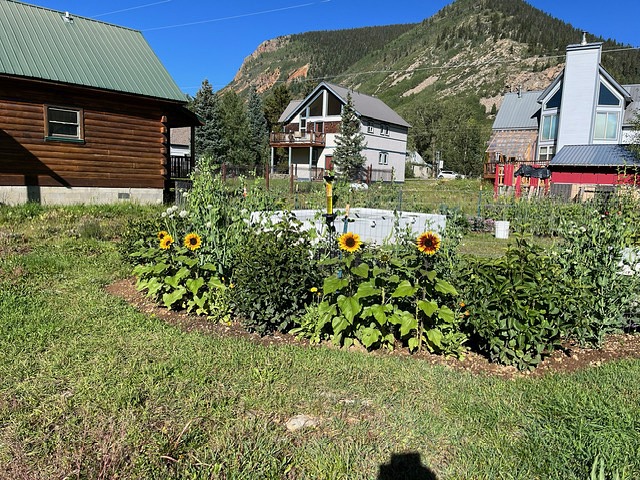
612 126
606 97
315 109
334 106
549 127
68 116
66 129
601 125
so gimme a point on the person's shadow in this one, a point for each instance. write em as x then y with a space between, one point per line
405 466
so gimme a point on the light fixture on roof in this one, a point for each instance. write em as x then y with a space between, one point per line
67 18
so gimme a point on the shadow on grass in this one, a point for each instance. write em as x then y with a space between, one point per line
405 466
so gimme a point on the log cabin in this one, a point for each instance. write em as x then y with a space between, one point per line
86 110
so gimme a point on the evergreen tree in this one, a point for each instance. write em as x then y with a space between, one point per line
347 156
275 104
258 134
208 138
235 130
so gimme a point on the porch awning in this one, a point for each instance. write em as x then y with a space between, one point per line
519 145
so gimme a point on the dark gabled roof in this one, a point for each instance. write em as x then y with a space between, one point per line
365 105
595 156
518 112
293 105
45 44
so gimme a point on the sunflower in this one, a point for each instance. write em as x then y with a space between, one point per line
166 242
162 234
349 242
428 243
192 241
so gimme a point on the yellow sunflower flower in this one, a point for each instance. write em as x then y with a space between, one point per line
166 242
192 241
349 242
162 234
428 243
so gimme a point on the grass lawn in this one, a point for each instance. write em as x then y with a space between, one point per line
92 388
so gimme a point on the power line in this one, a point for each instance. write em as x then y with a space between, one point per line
233 17
132 8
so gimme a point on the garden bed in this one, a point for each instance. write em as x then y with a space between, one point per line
570 358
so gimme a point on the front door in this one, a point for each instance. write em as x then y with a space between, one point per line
328 162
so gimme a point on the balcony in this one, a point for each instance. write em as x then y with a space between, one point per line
297 139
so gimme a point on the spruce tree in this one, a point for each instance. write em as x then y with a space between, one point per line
208 138
275 104
235 130
258 134
347 156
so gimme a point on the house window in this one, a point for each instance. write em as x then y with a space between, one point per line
383 158
547 153
606 96
606 126
369 127
63 123
549 127
554 102
384 129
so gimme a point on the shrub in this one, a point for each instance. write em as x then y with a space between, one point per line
274 276
591 257
519 306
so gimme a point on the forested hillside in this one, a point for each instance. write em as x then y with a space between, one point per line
458 62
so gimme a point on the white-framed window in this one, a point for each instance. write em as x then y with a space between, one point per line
606 126
63 123
384 129
549 129
369 127
546 153
383 158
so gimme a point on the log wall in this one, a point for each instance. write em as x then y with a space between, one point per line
125 140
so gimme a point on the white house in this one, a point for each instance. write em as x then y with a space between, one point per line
311 126
578 127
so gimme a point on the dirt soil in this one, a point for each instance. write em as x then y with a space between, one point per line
571 358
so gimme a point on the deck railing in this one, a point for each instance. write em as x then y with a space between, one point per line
296 138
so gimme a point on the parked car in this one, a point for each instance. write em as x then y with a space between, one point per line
449 175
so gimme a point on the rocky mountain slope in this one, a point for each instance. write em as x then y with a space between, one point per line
471 47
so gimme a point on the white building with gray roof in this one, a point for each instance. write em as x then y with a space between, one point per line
310 127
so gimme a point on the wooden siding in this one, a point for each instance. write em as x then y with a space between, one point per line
125 140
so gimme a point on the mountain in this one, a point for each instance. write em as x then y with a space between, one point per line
471 49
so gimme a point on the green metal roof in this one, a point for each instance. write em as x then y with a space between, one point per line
40 43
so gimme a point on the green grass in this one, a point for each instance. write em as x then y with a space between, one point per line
91 388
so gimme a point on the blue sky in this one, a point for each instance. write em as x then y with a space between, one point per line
198 39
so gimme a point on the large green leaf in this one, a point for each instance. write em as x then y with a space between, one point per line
405 289
368 336
361 270
379 312
339 325
446 314
408 323
169 299
445 287
333 284
434 337
349 307
194 284
367 290
429 308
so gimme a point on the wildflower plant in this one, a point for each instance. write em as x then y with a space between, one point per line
381 296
